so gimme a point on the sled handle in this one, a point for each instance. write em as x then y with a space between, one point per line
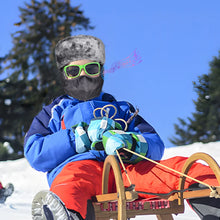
188 164
111 162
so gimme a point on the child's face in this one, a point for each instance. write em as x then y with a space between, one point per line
82 62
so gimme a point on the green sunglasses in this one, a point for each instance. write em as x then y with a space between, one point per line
91 69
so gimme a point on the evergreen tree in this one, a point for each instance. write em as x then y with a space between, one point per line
30 75
204 125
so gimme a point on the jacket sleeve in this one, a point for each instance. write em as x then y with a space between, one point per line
45 149
155 144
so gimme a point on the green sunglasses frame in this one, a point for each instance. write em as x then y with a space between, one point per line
80 69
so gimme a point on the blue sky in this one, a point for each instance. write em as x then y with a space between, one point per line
176 40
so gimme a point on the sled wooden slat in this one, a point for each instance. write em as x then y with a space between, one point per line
130 196
191 194
161 213
123 199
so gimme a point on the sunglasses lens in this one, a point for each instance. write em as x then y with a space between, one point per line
72 71
92 68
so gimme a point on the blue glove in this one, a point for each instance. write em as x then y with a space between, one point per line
117 140
82 141
96 129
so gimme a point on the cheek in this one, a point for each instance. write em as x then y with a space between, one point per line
93 76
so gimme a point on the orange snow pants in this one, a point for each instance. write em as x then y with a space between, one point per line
80 180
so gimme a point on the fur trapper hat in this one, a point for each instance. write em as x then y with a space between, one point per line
79 47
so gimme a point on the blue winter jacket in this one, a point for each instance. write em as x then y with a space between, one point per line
48 147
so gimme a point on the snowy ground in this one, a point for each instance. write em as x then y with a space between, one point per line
28 182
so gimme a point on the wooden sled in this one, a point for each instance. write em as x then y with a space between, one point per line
125 204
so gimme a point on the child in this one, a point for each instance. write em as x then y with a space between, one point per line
5 191
70 138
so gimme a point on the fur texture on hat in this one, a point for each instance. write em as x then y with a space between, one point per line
79 47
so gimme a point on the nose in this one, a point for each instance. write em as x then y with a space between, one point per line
82 72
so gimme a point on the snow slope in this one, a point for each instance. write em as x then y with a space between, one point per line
28 182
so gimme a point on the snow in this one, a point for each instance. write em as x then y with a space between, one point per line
28 182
